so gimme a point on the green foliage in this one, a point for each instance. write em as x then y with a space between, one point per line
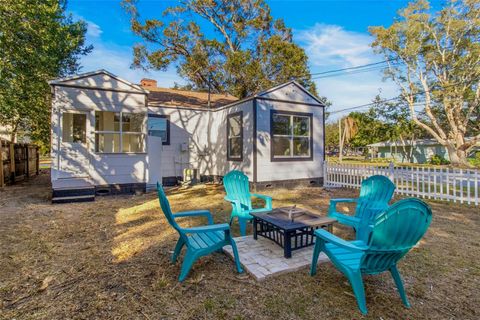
475 161
331 135
434 58
38 42
438 160
370 128
250 50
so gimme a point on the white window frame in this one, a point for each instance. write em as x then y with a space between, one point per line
121 132
291 136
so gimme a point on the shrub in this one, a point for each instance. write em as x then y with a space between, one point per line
476 159
438 160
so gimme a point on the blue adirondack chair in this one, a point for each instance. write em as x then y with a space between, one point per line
375 194
393 233
200 241
238 194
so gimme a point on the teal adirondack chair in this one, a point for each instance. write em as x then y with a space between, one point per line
392 234
375 194
200 241
238 194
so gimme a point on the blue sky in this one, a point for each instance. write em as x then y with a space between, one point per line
333 33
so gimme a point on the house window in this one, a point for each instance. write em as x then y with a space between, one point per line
119 132
74 127
235 136
291 136
159 126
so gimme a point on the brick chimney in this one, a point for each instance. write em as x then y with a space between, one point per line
148 82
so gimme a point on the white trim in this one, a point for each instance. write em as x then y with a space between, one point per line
60 81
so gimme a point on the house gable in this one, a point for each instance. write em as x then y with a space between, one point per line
291 91
100 79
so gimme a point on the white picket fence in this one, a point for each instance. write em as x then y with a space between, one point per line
456 185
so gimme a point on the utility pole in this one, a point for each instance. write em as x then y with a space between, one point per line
209 89
340 140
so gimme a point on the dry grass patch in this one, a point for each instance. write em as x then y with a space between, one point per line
109 259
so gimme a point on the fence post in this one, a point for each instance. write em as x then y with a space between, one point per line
12 162
391 171
325 163
37 161
2 178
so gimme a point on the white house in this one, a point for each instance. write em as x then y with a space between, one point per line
112 136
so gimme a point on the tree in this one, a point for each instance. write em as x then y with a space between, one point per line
250 50
398 124
435 60
38 42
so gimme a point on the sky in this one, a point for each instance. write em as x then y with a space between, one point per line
334 34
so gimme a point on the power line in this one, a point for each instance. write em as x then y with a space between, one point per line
352 68
394 98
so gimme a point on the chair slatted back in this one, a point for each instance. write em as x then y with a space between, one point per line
395 232
237 188
165 205
375 191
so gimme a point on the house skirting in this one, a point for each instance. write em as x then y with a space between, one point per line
293 183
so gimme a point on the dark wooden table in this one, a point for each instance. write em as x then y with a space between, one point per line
290 234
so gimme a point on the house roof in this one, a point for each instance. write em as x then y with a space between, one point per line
262 93
76 81
158 97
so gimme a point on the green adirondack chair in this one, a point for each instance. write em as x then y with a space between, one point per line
393 233
238 194
375 194
200 241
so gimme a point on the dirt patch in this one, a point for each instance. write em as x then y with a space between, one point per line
109 259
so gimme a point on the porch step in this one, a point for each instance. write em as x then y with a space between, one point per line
66 195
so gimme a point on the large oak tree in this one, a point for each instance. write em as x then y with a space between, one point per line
435 60
38 42
248 51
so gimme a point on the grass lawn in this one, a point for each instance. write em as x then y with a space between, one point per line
109 259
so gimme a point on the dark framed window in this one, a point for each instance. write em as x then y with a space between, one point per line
291 136
159 126
235 136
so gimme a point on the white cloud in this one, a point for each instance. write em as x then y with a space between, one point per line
331 47
117 59
93 29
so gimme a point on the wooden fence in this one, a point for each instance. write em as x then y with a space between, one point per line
456 185
18 161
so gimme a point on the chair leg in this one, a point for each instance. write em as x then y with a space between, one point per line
316 253
243 226
235 255
398 281
356 281
178 249
187 265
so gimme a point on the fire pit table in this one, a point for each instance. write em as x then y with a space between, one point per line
291 228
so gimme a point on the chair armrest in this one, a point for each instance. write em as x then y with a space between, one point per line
195 213
347 200
333 204
237 207
326 236
209 228
268 199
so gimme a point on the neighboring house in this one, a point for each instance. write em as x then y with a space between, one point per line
109 136
416 151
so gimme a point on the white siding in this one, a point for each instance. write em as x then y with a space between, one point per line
287 170
290 92
102 168
204 132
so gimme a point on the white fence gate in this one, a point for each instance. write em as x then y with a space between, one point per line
456 185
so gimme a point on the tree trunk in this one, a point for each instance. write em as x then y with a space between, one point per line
457 156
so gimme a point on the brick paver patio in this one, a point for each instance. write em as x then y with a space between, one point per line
263 258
